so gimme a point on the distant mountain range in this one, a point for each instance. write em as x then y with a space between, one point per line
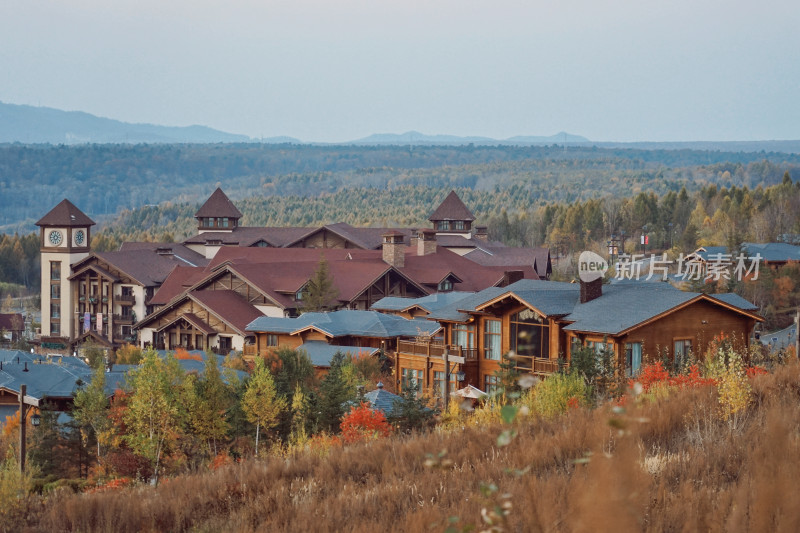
34 125
28 124
415 137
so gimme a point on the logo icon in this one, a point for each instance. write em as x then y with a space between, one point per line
591 266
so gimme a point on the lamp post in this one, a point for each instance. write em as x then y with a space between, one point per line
22 390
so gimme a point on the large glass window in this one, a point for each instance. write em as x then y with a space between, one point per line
443 225
55 291
412 380
529 335
55 310
492 339
272 340
633 358
464 335
458 224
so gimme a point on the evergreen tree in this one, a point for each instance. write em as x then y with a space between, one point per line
334 394
320 293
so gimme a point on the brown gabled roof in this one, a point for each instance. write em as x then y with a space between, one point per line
502 256
180 279
12 322
218 205
65 214
229 306
452 208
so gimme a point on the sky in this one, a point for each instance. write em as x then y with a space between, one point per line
339 70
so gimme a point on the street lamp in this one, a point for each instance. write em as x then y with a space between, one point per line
36 420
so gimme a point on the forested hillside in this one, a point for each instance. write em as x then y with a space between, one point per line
102 180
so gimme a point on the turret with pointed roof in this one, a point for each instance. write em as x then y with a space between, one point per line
65 214
217 214
452 216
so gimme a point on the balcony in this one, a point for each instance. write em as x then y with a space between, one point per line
123 320
432 349
125 299
536 365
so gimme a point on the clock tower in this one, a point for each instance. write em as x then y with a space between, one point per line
64 238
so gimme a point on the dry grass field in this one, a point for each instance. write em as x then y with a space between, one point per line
666 463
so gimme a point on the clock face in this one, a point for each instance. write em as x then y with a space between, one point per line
80 237
55 237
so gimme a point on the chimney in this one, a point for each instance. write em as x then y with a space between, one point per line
481 233
426 243
591 290
26 367
394 249
512 276
414 238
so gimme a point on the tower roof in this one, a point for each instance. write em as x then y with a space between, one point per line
452 208
65 214
218 205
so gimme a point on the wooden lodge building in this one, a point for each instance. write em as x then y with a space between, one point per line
202 293
542 322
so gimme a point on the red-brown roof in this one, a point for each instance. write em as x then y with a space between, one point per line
452 208
229 306
179 280
65 214
12 322
218 205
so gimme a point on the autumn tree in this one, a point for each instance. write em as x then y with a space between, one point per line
320 293
261 403
154 409
91 407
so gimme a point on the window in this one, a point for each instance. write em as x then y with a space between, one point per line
55 310
298 296
492 339
458 224
633 358
126 331
225 344
412 380
491 384
55 291
683 348
443 225
55 328
127 292
463 335
575 345
446 285
529 336
224 222
272 340
438 383
600 349
198 342
55 270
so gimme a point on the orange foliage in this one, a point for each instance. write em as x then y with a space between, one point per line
220 460
183 354
363 423
655 374
753 371
114 484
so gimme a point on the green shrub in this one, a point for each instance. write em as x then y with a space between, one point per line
557 393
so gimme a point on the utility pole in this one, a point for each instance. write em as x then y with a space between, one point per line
446 387
22 390
797 334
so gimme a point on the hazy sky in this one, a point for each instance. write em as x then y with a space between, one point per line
338 70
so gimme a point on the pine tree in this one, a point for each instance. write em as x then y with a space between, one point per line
320 293
334 395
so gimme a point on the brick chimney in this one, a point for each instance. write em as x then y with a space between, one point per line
481 233
591 290
394 249
512 276
426 241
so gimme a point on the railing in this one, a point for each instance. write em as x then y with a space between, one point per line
123 319
537 365
124 299
431 349
249 350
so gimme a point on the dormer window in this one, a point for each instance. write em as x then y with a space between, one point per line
445 285
443 225
458 225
